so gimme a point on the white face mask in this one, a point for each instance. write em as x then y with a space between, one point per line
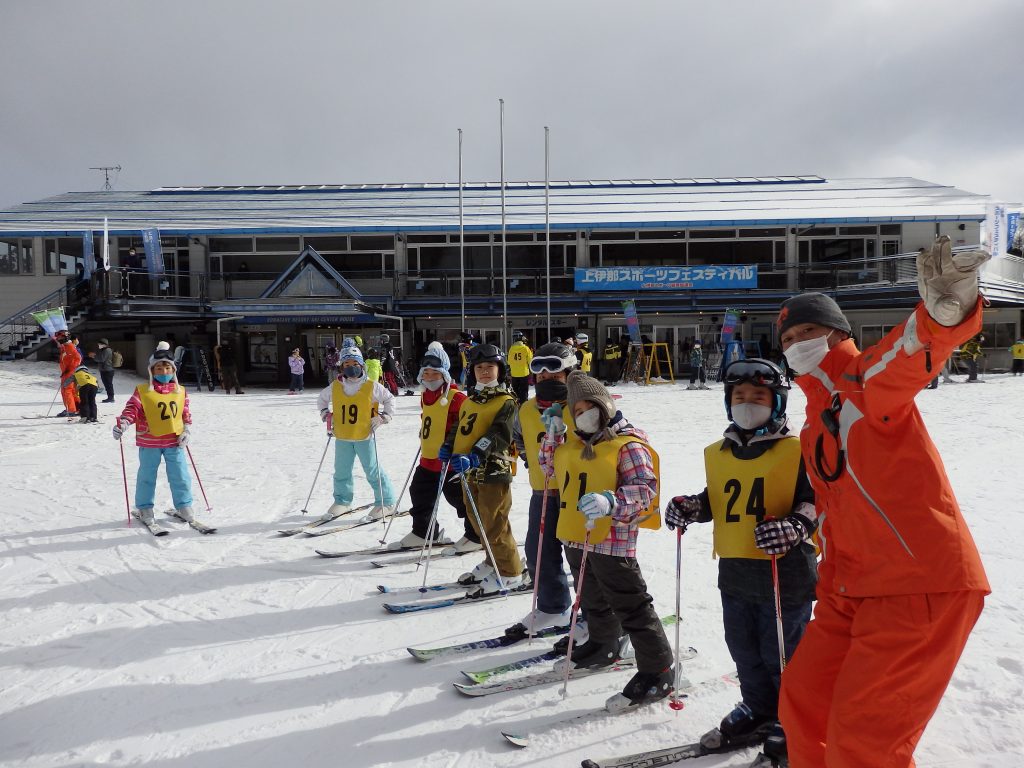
750 416
434 385
482 385
589 421
804 356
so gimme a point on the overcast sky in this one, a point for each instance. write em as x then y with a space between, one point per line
332 91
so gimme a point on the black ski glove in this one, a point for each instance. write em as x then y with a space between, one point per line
682 511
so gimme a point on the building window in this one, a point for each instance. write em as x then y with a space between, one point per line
231 245
16 256
278 245
63 255
998 335
373 243
326 243
872 334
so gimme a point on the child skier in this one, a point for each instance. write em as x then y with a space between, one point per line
356 407
85 382
609 488
160 412
1017 350
762 506
551 366
478 447
439 403
297 366
697 367
519 356
373 366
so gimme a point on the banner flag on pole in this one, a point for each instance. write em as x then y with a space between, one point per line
154 256
51 320
88 254
106 245
632 321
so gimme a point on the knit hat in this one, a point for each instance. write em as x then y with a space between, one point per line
104 342
162 354
812 308
436 359
350 353
584 387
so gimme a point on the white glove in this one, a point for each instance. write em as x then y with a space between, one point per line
119 427
184 437
947 281
595 506
324 413
554 424
376 421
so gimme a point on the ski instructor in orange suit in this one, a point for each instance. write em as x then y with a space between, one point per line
901 583
69 361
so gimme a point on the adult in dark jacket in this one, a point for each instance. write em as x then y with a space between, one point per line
105 361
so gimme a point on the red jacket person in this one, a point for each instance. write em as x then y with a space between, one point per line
901 583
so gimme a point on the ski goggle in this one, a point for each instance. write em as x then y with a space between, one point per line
431 361
756 373
551 364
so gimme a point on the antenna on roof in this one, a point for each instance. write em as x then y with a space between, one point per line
106 174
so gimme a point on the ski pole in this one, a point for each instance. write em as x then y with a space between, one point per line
189 452
380 484
540 552
778 613
674 701
575 613
319 467
398 501
483 532
124 476
52 402
428 545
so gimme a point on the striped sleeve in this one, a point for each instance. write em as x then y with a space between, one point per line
637 483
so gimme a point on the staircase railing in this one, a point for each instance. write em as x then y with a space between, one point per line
21 325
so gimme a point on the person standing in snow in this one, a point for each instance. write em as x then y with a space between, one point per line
439 411
551 365
85 384
105 361
901 583
297 367
762 506
478 445
519 356
354 408
69 360
609 479
1017 350
331 363
160 412
697 367
374 370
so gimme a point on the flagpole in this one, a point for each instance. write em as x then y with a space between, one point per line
462 245
504 265
547 221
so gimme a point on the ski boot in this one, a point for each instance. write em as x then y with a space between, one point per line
740 724
490 585
774 752
336 510
593 654
479 573
411 541
643 688
582 635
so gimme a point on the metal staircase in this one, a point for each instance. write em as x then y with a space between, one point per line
20 334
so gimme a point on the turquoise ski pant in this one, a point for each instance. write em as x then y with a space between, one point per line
345 453
177 475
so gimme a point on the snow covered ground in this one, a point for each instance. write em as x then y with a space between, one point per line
246 649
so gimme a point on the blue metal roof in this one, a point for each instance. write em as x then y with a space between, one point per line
595 204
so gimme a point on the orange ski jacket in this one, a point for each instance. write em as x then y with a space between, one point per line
890 524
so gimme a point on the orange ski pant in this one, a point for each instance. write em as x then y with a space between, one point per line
869 674
69 394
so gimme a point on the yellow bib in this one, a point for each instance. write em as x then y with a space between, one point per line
577 477
433 420
474 421
519 360
533 430
84 377
744 493
164 412
585 363
352 414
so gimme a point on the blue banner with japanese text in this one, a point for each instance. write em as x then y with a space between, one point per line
88 255
154 255
703 277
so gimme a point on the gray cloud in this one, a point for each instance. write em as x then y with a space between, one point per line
325 92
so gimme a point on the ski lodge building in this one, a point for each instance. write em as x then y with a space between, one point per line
304 265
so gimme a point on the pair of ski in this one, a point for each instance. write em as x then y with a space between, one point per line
381 551
686 688
525 588
319 526
158 530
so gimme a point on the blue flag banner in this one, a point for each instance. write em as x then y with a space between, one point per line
729 325
710 276
632 321
154 256
88 255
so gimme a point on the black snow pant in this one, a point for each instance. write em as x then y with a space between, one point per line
423 492
87 404
108 384
615 597
972 369
229 378
521 388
